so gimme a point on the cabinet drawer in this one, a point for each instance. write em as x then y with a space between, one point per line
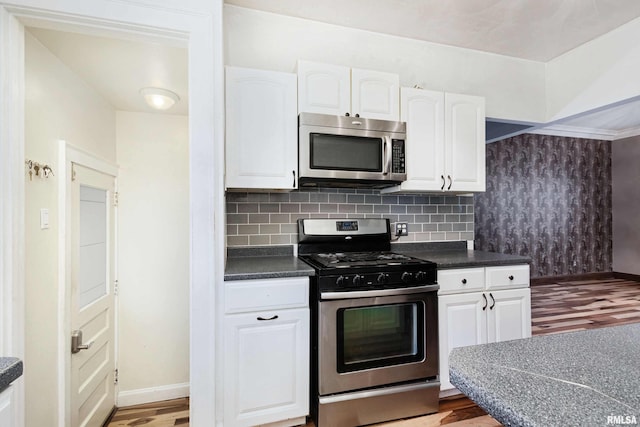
458 280
261 294
508 276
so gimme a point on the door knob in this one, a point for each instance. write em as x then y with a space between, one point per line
76 342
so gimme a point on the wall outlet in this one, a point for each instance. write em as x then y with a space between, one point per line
401 229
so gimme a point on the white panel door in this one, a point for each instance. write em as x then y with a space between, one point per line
423 111
509 315
465 142
92 298
324 88
462 322
261 129
375 94
266 371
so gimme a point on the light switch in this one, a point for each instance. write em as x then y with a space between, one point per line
44 218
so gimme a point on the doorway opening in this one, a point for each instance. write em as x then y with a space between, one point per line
84 89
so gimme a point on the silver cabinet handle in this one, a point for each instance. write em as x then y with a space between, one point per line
294 178
450 182
443 182
485 302
493 304
76 342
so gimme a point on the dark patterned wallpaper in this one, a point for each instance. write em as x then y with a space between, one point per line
548 198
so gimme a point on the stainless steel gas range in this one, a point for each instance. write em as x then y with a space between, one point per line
374 340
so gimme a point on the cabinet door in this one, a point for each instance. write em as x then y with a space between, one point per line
375 94
423 111
266 375
261 129
509 315
7 408
324 88
464 143
462 322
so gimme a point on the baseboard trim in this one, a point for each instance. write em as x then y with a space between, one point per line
627 276
547 280
152 394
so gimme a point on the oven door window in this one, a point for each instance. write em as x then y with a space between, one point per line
349 153
377 336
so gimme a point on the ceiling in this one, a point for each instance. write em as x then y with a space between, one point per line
530 29
117 68
538 30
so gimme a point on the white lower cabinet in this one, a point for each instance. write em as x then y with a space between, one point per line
266 359
7 408
468 317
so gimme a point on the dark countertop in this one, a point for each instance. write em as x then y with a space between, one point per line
264 263
456 255
570 379
10 370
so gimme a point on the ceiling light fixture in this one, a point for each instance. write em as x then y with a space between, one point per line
159 99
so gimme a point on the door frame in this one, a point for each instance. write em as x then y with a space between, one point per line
195 23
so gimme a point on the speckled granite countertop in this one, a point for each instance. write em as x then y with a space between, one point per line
571 379
10 370
456 255
264 263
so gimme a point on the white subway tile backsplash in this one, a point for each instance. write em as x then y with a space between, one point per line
258 219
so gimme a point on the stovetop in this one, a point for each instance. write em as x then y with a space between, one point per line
362 259
357 271
353 255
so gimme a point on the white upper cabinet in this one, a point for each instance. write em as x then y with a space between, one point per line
338 90
423 111
375 94
324 88
464 123
261 129
445 142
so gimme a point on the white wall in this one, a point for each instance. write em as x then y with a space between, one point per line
58 105
153 256
625 175
514 88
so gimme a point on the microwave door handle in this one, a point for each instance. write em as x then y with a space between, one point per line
386 155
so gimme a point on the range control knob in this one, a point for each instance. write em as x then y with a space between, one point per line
357 280
340 281
407 277
421 276
382 278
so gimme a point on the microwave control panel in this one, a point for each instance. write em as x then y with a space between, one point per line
397 151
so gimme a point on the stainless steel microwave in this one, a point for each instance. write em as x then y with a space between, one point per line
350 151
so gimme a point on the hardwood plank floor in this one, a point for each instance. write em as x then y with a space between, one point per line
556 307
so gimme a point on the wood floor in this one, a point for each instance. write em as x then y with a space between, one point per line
556 307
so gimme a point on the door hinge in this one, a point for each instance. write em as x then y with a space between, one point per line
115 198
115 287
115 377
73 174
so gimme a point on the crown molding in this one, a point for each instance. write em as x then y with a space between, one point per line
587 133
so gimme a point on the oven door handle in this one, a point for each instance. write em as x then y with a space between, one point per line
378 292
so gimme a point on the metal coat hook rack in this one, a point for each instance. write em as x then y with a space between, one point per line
38 169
